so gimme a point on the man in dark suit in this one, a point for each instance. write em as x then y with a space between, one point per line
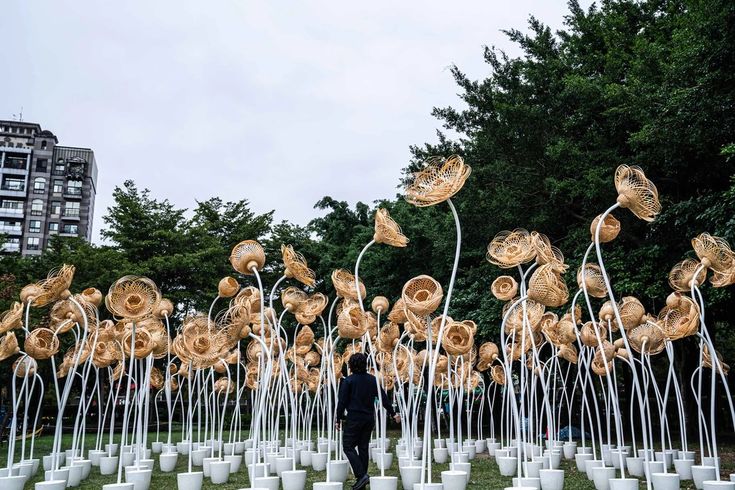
357 395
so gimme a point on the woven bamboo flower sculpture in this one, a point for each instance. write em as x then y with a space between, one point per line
344 284
398 312
504 288
487 354
422 295
352 323
12 318
387 231
497 373
608 231
707 361
679 318
246 256
227 287
53 288
593 280
647 338
304 340
510 249
25 366
41 343
311 308
8 346
380 305
546 253
714 252
132 297
440 179
682 277
636 192
292 298
296 267
547 287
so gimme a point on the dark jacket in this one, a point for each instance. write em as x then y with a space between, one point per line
357 394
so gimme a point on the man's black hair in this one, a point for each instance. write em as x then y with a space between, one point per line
358 363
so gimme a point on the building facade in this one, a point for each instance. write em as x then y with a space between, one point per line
45 189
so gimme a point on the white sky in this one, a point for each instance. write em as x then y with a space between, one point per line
277 102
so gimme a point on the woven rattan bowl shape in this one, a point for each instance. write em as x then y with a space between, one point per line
380 304
636 192
631 312
714 252
351 323
681 276
8 345
647 338
132 297
439 180
296 266
12 318
510 249
41 343
292 298
458 339
228 287
593 280
387 230
608 231
547 287
422 295
504 288
344 285
398 312
246 256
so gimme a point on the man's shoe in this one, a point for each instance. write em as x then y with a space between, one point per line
361 483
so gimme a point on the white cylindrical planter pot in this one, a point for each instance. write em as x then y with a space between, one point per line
198 455
441 455
319 461
86 465
267 482
634 465
551 479
52 485
283 464
293 479
381 483
249 456
710 461
26 469
13 482
532 468
235 461
492 447
228 448
686 455
684 468
454 480
75 476
183 447
570 449
255 471
157 447
480 446
384 460
167 461
306 457
111 449
119 486
665 481
190 481
409 476
589 465
554 459
60 474
95 455
219 472
666 457
206 465
529 482
624 484
507 465
701 473
654 467
469 449
584 450
141 478
338 470
127 458
108 465
618 457
718 485
465 468
580 458
602 475
462 457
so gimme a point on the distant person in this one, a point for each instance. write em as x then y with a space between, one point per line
357 394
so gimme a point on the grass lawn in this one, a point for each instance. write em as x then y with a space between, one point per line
484 474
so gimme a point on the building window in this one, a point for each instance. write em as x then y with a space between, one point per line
11 245
34 226
10 184
36 207
59 167
71 209
7 226
55 208
53 227
43 144
39 185
74 187
69 229
34 243
18 163
42 165
58 186
8 204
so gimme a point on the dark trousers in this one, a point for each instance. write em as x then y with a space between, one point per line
356 435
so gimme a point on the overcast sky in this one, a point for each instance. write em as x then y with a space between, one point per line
277 102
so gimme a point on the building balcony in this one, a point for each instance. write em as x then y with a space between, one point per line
71 215
14 171
11 212
70 194
11 230
12 191
10 247
68 233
